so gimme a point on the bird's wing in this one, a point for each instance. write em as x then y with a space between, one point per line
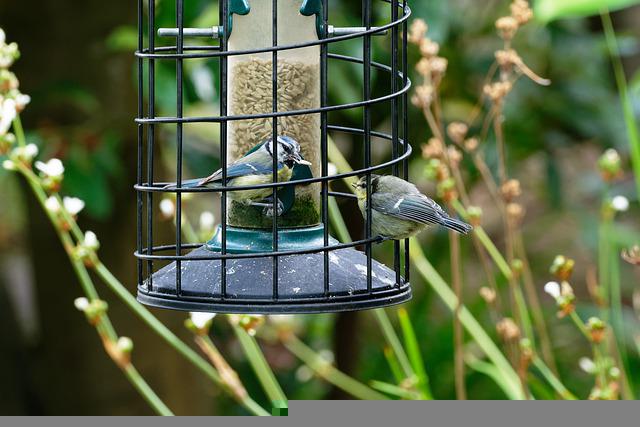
249 165
410 207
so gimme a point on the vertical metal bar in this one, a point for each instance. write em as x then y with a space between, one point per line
324 50
224 40
151 138
395 120
139 198
179 103
405 124
366 48
274 93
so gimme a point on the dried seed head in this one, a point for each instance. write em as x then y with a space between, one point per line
508 330
434 149
487 294
521 11
632 255
417 31
423 96
471 144
423 67
498 90
510 190
429 48
438 66
507 58
457 131
507 27
455 156
515 213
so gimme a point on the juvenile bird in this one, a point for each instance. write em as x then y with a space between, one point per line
255 168
399 210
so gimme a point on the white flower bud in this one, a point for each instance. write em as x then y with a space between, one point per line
81 303
9 165
52 204
53 168
167 208
304 374
207 219
91 240
201 320
553 289
73 205
21 101
2 37
587 365
30 151
620 203
125 344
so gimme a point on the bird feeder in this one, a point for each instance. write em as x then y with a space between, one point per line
274 58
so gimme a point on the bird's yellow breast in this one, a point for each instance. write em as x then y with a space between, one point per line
284 174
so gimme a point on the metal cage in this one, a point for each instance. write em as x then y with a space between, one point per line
281 270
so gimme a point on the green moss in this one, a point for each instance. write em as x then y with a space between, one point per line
303 212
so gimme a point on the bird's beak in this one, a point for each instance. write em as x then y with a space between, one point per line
299 160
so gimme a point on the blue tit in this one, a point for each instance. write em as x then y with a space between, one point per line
255 168
399 210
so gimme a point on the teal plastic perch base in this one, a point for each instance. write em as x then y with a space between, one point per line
248 240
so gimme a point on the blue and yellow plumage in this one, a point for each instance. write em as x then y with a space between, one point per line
255 168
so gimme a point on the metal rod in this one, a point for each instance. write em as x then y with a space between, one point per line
324 50
179 129
216 32
274 93
405 123
366 56
224 13
139 171
151 136
395 122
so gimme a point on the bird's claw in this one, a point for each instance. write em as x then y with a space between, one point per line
268 210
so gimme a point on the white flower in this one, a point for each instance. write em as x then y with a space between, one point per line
201 320
52 204
73 205
206 220
620 203
3 37
53 168
9 165
7 114
21 101
81 303
553 289
167 208
614 372
587 365
91 240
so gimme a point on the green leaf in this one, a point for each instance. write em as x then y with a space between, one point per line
550 10
413 350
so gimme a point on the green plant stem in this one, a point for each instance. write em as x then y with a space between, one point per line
472 326
104 326
19 131
623 91
147 392
553 381
415 356
259 364
395 390
325 370
490 370
604 274
394 341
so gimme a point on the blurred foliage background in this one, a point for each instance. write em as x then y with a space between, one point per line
77 65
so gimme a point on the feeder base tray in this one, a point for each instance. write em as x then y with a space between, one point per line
300 285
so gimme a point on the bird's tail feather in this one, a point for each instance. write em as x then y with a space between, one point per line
457 225
190 183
